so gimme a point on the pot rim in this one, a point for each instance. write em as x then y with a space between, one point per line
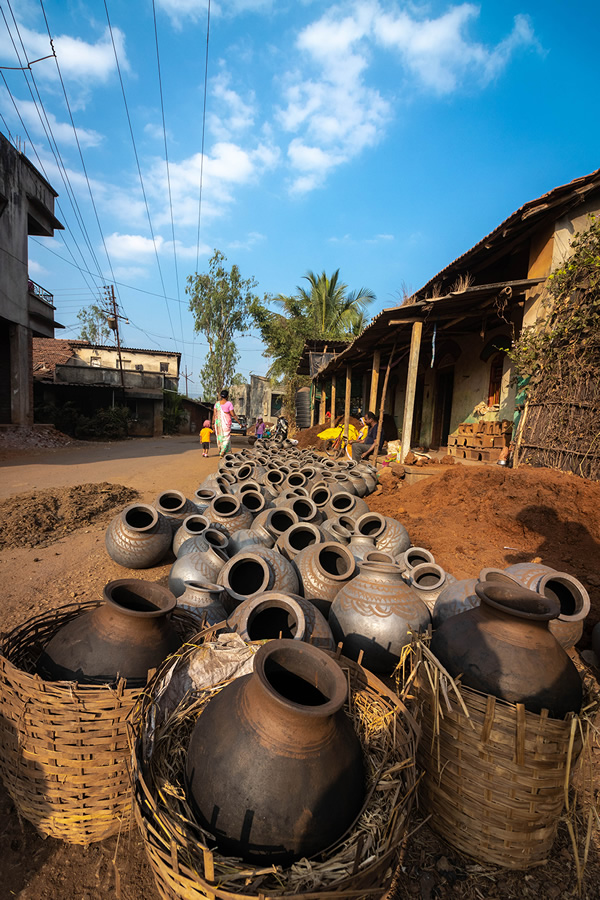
506 598
270 600
371 515
427 568
145 507
302 658
227 498
335 548
149 591
170 493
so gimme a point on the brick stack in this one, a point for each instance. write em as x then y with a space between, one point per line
480 441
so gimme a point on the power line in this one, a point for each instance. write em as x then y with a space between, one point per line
139 168
203 131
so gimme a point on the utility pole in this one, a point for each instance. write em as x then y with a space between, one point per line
113 322
187 377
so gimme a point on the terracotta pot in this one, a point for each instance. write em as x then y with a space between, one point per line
202 566
296 538
360 545
139 537
394 539
370 524
253 501
453 599
217 540
203 497
275 615
191 527
204 602
175 506
252 572
305 509
504 648
284 498
127 636
274 768
368 475
344 503
359 483
320 496
228 513
335 531
275 521
571 595
412 557
375 613
428 580
324 569
247 538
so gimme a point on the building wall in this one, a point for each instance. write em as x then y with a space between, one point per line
108 357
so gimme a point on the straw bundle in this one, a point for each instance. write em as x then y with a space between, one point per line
63 746
361 866
496 775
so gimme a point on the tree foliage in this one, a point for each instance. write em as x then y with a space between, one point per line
220 301
94 327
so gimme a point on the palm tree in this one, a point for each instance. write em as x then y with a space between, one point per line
330 311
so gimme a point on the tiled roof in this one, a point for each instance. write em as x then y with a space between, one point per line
51 352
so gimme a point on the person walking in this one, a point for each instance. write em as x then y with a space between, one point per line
223 413
205 433
363 449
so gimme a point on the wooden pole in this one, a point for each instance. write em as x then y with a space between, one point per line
333 386
411 385
374 381
322 404
347 400
381 408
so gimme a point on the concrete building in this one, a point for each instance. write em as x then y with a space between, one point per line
90 376
26 308
257 399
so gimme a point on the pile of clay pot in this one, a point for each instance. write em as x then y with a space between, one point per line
280 542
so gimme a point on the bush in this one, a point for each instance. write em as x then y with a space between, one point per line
110 424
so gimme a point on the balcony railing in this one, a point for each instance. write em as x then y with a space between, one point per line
38 291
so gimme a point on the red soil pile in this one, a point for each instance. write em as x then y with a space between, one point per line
475 517
307 438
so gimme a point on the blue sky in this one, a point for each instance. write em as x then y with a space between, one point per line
382 138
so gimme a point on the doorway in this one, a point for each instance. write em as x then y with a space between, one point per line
442 413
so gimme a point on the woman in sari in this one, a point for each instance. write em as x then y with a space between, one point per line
222 415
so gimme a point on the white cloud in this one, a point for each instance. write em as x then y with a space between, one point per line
62 131
78 59
180 11
235 115
34 268
131 246
252 239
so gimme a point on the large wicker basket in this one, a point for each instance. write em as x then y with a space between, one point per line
496 775
362 866
63 746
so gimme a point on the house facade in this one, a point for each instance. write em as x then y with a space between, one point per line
26 308
258 399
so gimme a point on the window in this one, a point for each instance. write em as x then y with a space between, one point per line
95 361
496 379
164 367
139 367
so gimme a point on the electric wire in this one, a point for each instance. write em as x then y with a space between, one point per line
164 292
203 133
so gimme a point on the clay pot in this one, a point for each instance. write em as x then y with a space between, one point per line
202 566
274 768
204 602
138 537
252 572
305 509
217 540
414 556
275 521
360 545
191 527
275 615
370 524
428 580
359 484
127 636
203 497
253 501
571 595
175 506
453 599
368 475
320 496
394 539
287 496
375 613
335 530
504 648
344 503
228 514
247 538
296 538
215 482
324 569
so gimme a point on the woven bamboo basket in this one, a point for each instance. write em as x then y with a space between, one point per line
496 775
64 753
181 855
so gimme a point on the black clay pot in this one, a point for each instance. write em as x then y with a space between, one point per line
127 636
504 648
275 770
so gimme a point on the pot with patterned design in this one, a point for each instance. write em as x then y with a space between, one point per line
252 572
276 615
191 527
347 504
247 538
276 521
305 509
394 539
202 565
175 506
203 497
253 501
428 580
296 538
412 557
375 613
324 569
138 537
216 540
204 602
228 514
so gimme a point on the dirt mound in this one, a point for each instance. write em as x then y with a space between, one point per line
307 438
27 439
475 517
42 517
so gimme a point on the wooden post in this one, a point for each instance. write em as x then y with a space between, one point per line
374 381
411 384
333 387
323 403
312 401
381 408
347 400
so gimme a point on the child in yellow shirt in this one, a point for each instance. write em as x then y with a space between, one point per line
205 433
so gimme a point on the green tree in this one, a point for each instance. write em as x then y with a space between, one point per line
94 327
220 301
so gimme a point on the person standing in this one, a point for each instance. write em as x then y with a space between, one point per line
260 428
366 448
223 413
205 433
